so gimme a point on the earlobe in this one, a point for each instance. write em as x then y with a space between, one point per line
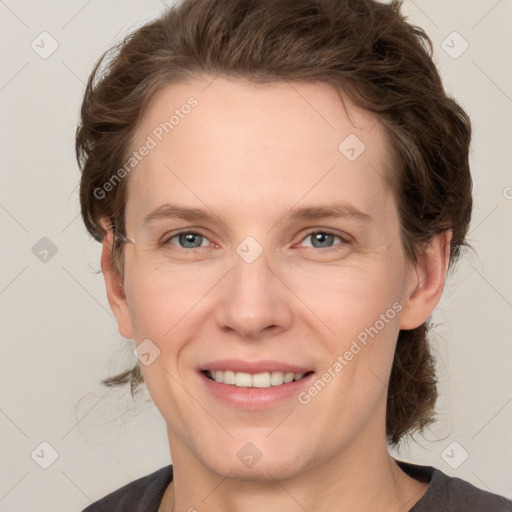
114 286
427 280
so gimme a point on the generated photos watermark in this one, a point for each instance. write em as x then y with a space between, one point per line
304 397
151 142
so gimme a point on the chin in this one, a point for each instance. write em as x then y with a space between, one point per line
255 461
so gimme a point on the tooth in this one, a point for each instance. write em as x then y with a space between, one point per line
261 380
276 378
243 379
229 377
288 377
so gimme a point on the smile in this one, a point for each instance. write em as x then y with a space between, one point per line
258 380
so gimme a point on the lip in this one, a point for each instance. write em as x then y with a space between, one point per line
254 399
253 367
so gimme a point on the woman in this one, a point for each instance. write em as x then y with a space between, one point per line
280 188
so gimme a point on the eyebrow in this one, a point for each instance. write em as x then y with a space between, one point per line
170 211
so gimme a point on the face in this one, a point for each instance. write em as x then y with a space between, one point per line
265 287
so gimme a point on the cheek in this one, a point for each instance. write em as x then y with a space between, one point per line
158 299
349 298
360 310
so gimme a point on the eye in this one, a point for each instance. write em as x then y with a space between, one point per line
193 240
189 239
323 239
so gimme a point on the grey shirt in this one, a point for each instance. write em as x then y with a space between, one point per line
444 494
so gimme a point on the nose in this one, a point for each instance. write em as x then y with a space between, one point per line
253 300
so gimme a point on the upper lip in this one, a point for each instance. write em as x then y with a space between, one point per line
254 367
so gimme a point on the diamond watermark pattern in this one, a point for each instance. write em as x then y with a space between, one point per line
454 45
249 249
44 45
454 455
249 455
146 352
351 147
44 250
44 455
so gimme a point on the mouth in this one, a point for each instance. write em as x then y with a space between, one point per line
254 380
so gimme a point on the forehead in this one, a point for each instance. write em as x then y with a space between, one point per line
256 145
243 108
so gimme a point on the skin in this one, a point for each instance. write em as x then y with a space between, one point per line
251 153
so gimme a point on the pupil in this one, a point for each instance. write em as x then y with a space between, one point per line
189 238
319 236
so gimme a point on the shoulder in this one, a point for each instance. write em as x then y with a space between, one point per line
453 493
143 494
446 493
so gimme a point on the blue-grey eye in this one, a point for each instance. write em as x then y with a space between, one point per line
188 240
321 239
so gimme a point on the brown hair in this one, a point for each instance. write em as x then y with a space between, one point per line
363 48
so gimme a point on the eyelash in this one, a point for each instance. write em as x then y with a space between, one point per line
167 241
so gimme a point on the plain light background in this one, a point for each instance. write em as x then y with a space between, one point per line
59 337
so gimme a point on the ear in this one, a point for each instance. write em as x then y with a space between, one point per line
114 284
426 283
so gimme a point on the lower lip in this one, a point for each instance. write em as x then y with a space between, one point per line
255 398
